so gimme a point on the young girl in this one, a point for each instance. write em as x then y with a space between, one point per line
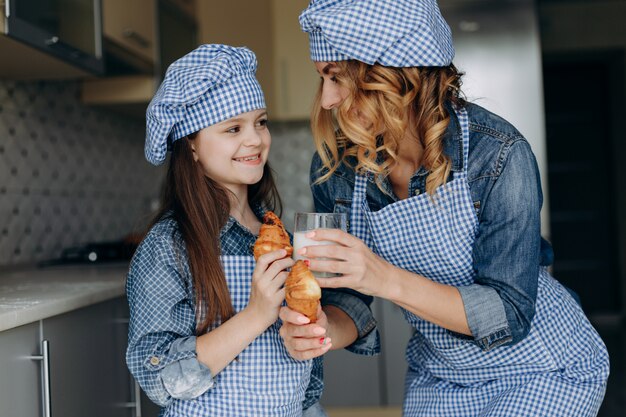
444 200
203 338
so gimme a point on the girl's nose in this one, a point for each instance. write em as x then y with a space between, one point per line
253 138
331 96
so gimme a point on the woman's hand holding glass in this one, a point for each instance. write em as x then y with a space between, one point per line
354 265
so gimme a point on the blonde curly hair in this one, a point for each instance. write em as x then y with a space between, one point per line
392 101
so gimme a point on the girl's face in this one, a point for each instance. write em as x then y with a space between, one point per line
332 93
234 152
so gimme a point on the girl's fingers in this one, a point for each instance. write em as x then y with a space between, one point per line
266 260
280 265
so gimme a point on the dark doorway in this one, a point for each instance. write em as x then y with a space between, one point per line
584 99
579 92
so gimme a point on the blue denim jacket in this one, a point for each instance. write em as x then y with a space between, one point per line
506 191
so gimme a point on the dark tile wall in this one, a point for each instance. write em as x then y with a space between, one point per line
69 174
72 174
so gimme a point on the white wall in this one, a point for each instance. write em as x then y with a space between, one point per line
497 46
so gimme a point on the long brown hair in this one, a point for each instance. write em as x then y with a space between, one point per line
201 208
394 101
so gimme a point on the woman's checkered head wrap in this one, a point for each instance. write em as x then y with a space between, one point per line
393 33
208 85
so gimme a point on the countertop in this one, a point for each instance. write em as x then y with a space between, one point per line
31 294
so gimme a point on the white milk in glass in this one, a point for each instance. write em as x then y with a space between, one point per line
300 241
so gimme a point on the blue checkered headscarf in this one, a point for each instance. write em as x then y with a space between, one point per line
393 33
208 85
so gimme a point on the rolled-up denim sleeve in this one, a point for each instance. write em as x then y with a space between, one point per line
500 304
357 307
161 353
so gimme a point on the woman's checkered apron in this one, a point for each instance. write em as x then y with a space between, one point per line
559 369
264 380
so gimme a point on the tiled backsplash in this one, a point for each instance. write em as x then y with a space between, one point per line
72 174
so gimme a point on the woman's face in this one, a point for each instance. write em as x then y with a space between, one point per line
234 152
332 93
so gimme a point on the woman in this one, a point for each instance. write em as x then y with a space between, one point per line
444 200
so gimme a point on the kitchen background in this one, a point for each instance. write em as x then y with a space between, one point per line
72 169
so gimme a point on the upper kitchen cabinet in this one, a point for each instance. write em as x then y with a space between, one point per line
175 35
271 29
50 39
129 33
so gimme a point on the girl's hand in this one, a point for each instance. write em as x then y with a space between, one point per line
304 340
267 292
361 269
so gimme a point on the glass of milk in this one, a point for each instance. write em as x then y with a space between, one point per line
306 222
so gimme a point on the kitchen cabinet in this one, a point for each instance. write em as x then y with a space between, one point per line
129 31
87 369
271 29
88 375
130 94
50 39
20 376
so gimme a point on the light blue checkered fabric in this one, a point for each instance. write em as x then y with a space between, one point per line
393 33
264 380
560 368
208 85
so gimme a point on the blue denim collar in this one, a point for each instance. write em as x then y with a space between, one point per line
453 140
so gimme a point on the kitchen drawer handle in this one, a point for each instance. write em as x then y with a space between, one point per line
128 33
45 358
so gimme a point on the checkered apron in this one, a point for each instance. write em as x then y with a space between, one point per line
264 380
559 369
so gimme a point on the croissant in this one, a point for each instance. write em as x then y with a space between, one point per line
302 292
272 236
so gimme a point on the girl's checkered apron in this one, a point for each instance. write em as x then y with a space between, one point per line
264 380
559 369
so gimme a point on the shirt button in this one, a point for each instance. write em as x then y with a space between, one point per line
154 361
417 192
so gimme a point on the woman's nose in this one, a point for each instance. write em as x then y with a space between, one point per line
331 96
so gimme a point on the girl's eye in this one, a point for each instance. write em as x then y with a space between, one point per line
234 129
262 123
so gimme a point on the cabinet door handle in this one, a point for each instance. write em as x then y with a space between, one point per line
45 358
137 400
129 33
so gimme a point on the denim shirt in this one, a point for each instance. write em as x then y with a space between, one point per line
508 250
161 351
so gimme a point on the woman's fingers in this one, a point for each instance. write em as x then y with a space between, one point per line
303 341
288 315
341 253
334 235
